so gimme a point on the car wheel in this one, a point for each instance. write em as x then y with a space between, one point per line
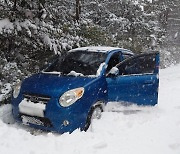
95 113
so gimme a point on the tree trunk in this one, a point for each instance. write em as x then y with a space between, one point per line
78 9
15 2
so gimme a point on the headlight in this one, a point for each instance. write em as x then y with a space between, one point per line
16 90
71 96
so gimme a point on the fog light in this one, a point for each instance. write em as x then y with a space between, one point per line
65 122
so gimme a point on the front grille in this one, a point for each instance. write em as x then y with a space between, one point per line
26 119
37 98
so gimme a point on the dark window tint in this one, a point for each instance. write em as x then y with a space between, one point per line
138 65
113 61
126 56
86 63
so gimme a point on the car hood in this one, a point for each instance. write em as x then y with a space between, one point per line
52 85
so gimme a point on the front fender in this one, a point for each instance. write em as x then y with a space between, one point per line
95 91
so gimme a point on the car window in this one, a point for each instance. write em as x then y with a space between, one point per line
113 61
126 56
82 62
138 65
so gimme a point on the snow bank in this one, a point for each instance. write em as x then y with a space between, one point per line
126 130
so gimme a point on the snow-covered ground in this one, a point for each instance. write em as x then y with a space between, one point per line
122 130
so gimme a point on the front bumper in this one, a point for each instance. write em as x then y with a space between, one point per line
55 117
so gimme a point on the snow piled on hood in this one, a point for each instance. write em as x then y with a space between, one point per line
127 130
73 73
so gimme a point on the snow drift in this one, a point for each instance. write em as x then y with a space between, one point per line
127 130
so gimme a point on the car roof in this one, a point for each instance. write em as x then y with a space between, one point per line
104 49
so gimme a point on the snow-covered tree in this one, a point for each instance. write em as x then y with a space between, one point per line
32 31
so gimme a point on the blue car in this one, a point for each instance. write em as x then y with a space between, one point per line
75 87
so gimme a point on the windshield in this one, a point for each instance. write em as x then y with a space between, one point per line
79 63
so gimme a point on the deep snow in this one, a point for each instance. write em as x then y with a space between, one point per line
125 130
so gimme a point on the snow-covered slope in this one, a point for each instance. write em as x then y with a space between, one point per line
125 130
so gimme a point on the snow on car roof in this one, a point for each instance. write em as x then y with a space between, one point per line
100 49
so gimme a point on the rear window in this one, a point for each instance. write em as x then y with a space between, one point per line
126 56
138 65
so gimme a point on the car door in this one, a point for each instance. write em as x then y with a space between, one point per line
137 81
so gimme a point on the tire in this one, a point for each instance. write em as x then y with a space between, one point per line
95 113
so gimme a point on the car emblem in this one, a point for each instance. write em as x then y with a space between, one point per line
34 99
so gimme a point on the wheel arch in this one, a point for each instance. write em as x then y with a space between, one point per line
100 104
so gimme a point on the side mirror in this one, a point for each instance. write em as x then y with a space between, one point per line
113 72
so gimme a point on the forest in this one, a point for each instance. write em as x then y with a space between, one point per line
34 31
